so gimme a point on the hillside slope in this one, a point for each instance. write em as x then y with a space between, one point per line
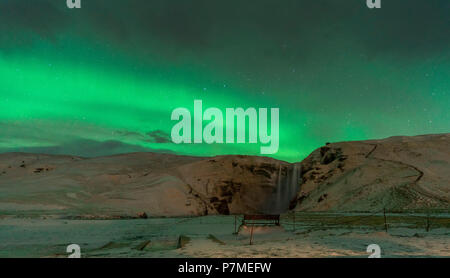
397 173
129 184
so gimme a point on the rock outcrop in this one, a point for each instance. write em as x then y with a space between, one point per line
397 173
135 184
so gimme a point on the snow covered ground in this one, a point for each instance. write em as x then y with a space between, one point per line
315 235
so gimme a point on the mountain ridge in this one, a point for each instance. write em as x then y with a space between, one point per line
397 173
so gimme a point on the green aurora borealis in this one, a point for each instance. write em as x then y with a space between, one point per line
104 79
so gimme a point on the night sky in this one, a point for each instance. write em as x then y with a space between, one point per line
105 78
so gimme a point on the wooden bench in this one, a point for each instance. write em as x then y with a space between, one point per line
261 220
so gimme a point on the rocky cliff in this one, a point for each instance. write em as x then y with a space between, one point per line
397 173
134 184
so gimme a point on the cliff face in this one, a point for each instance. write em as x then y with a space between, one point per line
395 173
126 185
241 184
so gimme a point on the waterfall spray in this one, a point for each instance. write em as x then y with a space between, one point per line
286 189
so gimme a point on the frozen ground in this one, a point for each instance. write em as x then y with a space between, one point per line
315 235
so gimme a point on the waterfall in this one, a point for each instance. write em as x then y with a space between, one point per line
286 189
279 198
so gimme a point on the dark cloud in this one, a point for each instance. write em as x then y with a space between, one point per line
401 26
158 136
86 148
406 28
21 18
198 25
129 134
155 136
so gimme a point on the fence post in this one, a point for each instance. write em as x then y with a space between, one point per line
294 219
427 228
251 234
235 224
385 221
